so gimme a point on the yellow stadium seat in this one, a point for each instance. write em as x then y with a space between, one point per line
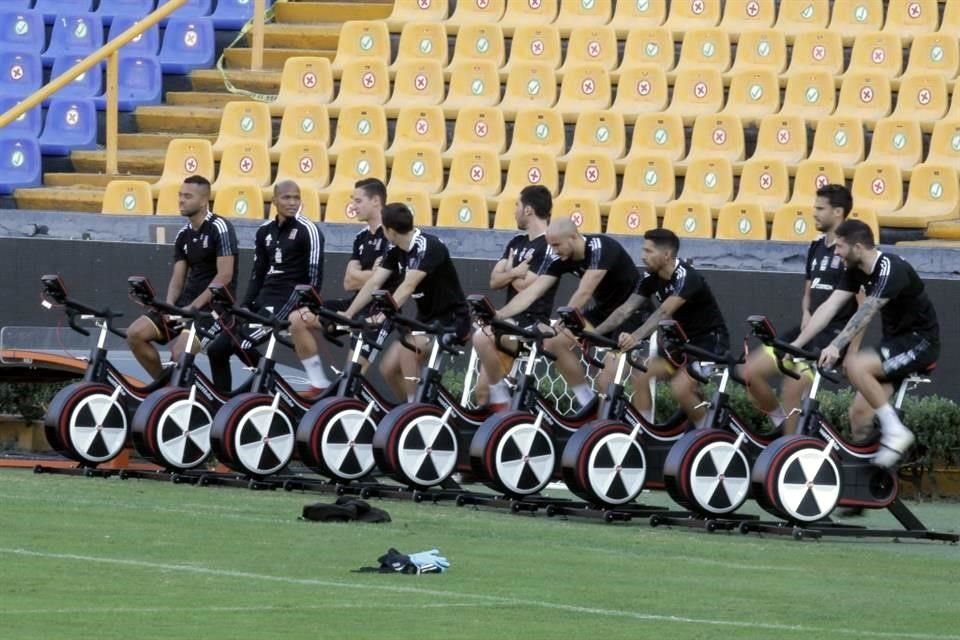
899 141
753 95
638 15
648 179
417 84
584 88
866 96
696 92
530 84
355 162
520 14
302 123
361 40
590 45
631 217
809 95
478 128
463 210
422 41
168 200
589 175
419 204
935 53
129 197
244 163
642 89
539 131
934 195
306 80
359 124
339 207
239 201
923 97
869 217
954 111
472 84
531 168
877 53
185 157
743 15
580 14
909 18
418 126
476 171
810 176
688 219
839 139
805 16
741 221
599 132
950 25
705 48
851 18
306 164
692 14
817 51
309 201
878 186
417 167
647 46
945 143
716 136
479 42
761 49
243 122
782 138
584 211
476 12
658 135
537 43
405 11
794 223
505 216
764 183
708 181
364 82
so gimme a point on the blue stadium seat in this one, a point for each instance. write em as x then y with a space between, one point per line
71 124
20 73
187 44
22 31
20 163
148 43
190 9
140 82
52 9
233 14
27 126
74 34
87 85
110 9
17 5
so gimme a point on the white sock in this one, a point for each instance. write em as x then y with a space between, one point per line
777 416
889 421
499 393
702 422
411 396
647 414
583 393
314 368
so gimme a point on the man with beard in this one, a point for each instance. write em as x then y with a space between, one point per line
204 252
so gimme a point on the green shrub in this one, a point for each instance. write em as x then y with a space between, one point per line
28 401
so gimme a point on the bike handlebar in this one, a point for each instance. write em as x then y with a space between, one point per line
763 329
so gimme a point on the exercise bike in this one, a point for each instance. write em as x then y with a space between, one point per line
89 421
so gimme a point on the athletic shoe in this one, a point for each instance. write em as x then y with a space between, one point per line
892 448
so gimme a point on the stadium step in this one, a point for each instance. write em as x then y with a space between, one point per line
313 12
185 121
299 36
145 161
945 230
91 180
154 140
215 99
60 199
273 57
259 81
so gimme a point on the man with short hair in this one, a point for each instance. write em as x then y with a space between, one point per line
911 334
205 251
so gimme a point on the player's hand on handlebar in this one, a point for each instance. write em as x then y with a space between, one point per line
377 319
626 341
829 356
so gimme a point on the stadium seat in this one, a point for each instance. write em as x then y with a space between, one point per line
476 171
590 176
28 125
761 49
599 132
866 96
355 162
753 95
899 141
647 46
851 18
740 16
708 181
309 204
934 53
658 135
339 209
231 15
305 163
817 51
531 168
189 9
692 14
419 204
795 18
478 12
810 176
22 31
147 43
129 197
781 138
361 40
909 18
416 126
244 121
305 80
878 186
647 179
705 48
73 35
463 210
140 82
539 44
631 217
596 45
422 41
583 15
638 15
954 111
877 53
584 88
696 92
688 219
85 86
239 201
505 215
20 164
359 124
70 125
530 84
108 10
642 89
839 139
417 168
945 143
472 84
246 163
188 44
53 9
583 211
869 217
405 11
417 84
794 223
741 221
185 157
520 14
923 97
302 123
764 183
934 195
539 131
478 128
716 136
479 42
950 24
809 95
363 82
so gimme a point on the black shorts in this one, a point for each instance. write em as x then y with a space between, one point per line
716 341
169 329
907 354
459 324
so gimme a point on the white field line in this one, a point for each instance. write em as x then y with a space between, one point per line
253 609
502 600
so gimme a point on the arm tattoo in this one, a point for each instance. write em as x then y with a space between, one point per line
865 312
619 315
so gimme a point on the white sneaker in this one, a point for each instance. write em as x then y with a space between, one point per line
892 449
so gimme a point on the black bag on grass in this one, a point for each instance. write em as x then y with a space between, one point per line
345 509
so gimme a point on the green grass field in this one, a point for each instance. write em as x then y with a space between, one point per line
109 558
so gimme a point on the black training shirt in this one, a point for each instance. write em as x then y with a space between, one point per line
699 314
600 252
439 294
367 247
200 249
519 249
825 269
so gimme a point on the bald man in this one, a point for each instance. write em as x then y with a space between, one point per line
288 252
